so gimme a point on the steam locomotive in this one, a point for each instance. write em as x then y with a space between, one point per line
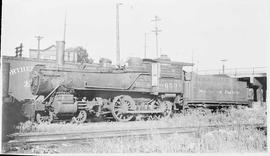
144 87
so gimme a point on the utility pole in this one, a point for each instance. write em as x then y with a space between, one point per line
117 35
19 50
192 56
156 31
223 66
145 44
65 24
38 39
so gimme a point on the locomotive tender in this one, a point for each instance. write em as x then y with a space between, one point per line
148 87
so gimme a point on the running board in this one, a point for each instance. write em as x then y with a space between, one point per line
143 112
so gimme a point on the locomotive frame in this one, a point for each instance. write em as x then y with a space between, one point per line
146 88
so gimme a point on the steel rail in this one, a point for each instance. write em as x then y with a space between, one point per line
42 138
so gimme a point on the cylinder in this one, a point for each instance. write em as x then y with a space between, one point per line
60 52
5 79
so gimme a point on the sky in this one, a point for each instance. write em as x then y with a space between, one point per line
205 31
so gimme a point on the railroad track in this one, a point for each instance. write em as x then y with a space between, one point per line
18 139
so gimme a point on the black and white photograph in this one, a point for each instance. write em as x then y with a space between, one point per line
134 76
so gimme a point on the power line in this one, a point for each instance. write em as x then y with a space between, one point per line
156 31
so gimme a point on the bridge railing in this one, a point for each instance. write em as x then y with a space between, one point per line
236 71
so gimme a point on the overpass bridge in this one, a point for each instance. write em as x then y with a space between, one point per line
256 78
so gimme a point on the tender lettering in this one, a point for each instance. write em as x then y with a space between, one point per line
20 70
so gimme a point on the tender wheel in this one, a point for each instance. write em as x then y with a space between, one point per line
81 117
166 107
120 106
41 118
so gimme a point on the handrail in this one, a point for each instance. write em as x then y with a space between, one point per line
51 93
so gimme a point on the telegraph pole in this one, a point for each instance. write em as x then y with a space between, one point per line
19 51
156 31
65 25
192 55
145 45
38 39
117 35
223 66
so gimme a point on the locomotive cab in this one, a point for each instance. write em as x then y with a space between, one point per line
187 75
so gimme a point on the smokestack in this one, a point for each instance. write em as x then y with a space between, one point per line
5 79
60 52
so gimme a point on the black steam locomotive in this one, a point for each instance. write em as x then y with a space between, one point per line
145 87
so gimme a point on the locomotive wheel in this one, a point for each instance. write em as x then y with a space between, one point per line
81 117
166 106
122 104
41 118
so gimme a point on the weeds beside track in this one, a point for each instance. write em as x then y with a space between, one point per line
54 138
